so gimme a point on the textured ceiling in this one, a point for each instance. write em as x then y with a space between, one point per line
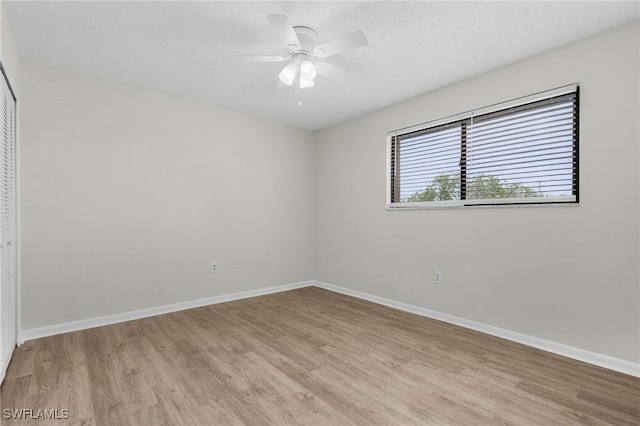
186 48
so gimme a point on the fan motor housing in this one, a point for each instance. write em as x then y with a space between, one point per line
308 39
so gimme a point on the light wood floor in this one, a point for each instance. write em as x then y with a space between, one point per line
307 356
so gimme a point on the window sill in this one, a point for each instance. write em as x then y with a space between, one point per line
482 206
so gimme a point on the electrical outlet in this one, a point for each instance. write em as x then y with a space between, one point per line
214 267
437 277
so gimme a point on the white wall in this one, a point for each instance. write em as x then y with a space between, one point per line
8 52
566 274
127 195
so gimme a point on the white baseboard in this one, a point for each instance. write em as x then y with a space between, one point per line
594 358
67 327
605 361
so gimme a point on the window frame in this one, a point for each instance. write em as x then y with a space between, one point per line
468 115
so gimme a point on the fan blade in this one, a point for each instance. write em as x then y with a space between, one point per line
331 71
284 30
340 44
260 58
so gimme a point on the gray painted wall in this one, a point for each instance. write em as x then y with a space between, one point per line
128 195
566 274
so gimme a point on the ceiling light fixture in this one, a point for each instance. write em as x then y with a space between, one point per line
307 70
288 74
302 44
304 83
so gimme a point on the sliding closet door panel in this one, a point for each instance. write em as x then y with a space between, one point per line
8 284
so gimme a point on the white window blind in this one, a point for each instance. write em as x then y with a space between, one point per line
523 151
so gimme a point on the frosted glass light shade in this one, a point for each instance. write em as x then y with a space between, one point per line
288 74
305 83
307 70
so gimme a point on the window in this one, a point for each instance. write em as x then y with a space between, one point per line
519 152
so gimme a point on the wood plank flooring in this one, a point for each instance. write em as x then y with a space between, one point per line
311 357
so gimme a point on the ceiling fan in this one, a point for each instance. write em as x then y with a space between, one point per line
302 45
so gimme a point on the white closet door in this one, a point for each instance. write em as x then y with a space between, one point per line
8 283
